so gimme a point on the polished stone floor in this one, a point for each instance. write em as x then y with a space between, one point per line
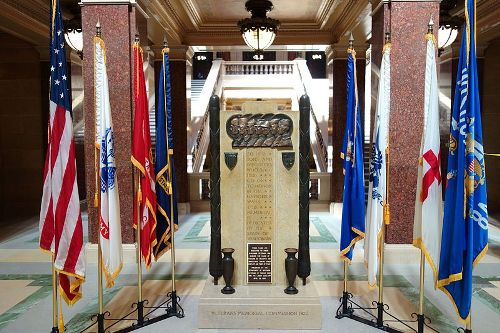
25 282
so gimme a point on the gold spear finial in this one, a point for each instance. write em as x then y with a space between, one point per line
98 28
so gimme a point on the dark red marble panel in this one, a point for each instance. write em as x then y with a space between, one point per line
408 25
116 22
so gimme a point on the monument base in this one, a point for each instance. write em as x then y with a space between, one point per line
260 307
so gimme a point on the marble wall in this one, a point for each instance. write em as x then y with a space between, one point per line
22 128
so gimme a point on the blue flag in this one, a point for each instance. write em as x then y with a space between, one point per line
465 224
353 207
166 189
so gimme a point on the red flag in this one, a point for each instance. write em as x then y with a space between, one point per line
142 158
61 229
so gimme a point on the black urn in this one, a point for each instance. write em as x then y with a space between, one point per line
291 267
227 270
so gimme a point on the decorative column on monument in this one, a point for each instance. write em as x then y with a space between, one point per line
118 22
178 74
337 74
407 22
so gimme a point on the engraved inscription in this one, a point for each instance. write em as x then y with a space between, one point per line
259 263
260 130
259 195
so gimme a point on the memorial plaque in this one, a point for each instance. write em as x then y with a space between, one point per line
259 263
259 196
260 130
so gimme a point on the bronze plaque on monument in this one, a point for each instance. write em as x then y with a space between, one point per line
259 263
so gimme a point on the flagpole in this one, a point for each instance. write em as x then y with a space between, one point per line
100 315
140 300
420 316
55 328
173 308
387 217
468 324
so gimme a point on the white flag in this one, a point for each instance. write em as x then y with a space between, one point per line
428 204
376 192
110 227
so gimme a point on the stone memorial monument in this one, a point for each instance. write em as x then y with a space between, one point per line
259 192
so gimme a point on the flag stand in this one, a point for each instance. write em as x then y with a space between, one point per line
348 306
171 305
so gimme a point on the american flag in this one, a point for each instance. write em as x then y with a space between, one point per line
61 229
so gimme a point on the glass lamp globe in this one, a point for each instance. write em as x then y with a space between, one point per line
74 39
259 39
446 36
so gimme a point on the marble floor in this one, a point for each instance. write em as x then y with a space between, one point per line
25 282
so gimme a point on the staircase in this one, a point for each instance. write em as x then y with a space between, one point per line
196 88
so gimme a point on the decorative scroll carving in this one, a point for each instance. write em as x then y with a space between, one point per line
260 130
304 177
215 263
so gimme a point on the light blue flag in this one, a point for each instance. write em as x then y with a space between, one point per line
166 189
465 223
353 207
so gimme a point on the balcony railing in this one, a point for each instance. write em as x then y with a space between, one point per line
259 68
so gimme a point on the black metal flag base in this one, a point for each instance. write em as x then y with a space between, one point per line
348 307
55 330
464 330
171 306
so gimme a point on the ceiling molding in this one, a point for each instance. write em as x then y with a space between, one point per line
349 19
26 20
194 12
325 11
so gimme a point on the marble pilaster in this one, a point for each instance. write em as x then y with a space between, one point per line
118 30
407 21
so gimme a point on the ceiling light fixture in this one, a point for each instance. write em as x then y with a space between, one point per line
259 31
73 35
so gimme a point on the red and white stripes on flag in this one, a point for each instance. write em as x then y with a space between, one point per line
109 209
428 223
61 229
